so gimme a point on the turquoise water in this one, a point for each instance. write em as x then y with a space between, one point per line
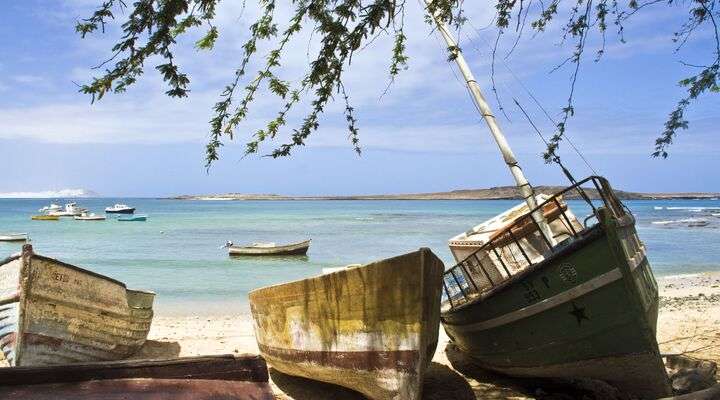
176 252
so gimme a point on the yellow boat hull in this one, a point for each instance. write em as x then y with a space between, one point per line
371 328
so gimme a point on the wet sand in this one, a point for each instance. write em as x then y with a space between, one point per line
689 324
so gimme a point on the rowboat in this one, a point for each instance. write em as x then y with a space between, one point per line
120 209
270 249
133 218
537 292
57 313
89 217
45 218
371 328
210 377
14 237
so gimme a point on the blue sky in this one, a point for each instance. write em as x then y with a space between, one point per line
424 135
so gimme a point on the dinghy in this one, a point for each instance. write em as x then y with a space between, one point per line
14 237
371 328
89 217
229 377
538 292
56 313
45 218
136 218
270 249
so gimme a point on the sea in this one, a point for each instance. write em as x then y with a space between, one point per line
177 252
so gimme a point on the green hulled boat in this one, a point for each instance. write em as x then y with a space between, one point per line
582 304
538 292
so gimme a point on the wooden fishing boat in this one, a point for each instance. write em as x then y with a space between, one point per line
136 218
372 328
211 377
45 218
57 313
538 293
14 237
270 249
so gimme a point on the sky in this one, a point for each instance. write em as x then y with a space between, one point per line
423 135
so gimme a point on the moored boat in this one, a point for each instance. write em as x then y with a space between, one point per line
50 208
194 378
270 249
45 218
89 217
539 293
134 218
371 328
70 210
13 237
120 209
57 313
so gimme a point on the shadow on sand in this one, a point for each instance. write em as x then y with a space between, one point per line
157 349
489 385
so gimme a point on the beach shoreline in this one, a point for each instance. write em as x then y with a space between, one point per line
687 324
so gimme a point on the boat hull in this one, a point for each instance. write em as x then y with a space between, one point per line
45 218
132 219
299 248
122 211
373 328
56 313
588 312
14 238
214 377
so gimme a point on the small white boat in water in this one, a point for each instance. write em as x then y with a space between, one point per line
89 217
269 249
70 210
51 208
13 237
120 209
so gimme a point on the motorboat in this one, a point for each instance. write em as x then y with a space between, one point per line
120 209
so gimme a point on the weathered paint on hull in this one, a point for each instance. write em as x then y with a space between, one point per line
589 312
371 328
56 313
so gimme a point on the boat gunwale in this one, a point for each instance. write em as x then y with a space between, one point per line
421 249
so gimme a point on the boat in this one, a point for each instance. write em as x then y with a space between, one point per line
44 218
371 328
203 378
14 237
133 218
538 292
89 217
70 210
120 209
50 208
270 249
56 313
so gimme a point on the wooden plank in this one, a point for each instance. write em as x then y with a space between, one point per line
250 368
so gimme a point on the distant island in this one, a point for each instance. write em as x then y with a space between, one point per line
495 193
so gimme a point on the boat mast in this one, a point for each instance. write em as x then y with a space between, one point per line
526 190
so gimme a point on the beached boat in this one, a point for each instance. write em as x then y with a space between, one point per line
134 218
270 249
44 218
538 293
13 237
89 217
371 328
120 209
241 377
57 313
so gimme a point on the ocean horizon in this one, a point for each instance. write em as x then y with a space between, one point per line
177 253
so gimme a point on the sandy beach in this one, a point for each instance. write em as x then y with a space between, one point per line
688 324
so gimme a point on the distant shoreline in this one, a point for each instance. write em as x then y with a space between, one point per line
496 193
